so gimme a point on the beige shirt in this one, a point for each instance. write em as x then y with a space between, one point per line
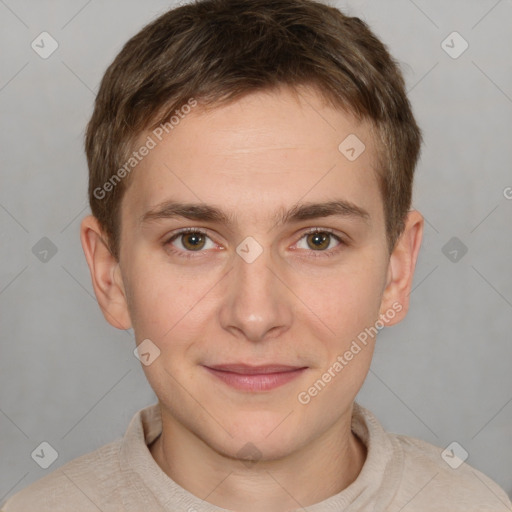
400 474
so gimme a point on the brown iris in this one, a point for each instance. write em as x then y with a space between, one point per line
193 241
320 240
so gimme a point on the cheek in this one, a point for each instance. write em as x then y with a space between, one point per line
156 293
172 309
346 299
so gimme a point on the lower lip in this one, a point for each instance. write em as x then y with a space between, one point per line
256 382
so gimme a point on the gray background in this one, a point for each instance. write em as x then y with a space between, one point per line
69 378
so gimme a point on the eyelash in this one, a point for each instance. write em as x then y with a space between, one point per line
316 254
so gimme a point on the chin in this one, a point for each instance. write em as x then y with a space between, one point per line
270 436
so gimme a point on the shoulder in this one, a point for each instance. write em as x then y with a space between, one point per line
109 478
433 478
76 484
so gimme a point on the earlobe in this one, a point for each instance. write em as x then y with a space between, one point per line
104 268
401 267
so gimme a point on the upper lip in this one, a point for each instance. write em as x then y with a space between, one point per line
254 370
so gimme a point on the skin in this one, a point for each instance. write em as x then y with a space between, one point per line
292 305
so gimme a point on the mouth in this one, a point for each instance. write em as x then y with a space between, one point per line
255 378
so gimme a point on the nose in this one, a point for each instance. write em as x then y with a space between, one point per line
257 304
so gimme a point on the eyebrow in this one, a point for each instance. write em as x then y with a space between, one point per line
207 213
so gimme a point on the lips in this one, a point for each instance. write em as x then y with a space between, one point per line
245 369
255 378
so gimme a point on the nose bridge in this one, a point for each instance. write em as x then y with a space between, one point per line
255 301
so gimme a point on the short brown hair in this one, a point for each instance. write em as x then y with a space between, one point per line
216 51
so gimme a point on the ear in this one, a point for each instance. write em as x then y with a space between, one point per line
402 263
105 274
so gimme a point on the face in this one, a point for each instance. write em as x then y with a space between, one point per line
253 255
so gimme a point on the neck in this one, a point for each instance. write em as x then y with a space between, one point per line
311 474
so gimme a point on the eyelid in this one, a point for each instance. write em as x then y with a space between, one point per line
320 230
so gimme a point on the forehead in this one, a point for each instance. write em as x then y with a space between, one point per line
258 155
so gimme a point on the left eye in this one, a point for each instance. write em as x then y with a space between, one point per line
319 241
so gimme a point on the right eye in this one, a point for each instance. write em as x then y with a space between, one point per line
189 240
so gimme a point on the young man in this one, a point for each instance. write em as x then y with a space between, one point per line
251 168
